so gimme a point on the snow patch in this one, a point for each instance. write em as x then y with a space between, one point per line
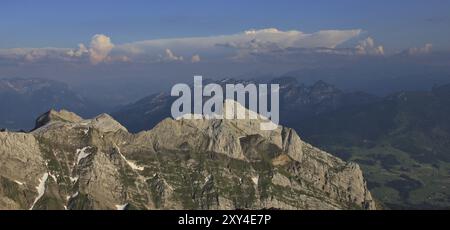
122 207
40 189
74 195
255 179
18 182
131 164
82 154
54 177
73 179
207 179
86 131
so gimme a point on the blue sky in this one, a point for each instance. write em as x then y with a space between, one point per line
147 45
396 24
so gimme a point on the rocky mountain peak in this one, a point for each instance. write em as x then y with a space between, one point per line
106 123
180 164
223 135
53 115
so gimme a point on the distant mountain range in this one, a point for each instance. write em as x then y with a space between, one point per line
22 100
297 102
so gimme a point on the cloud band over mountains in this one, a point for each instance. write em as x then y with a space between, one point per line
239 47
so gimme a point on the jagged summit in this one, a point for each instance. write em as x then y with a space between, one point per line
180 164
106 123
53 116
102 122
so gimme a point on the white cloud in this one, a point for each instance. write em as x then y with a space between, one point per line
368 47
79 52
100 47
98 51
426 49
170 56
34 55
250 41
244 46
124 59
195 58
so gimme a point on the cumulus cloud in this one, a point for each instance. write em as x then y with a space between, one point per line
368 47
170 56
195 58
32 54
98 51
100 47
82 50
36 54
426 49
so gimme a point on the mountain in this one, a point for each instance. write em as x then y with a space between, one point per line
381 76
68 162
22 100
401 141
145 113
297 102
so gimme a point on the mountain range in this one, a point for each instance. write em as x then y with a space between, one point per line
68 162
400 140
301 100
23 99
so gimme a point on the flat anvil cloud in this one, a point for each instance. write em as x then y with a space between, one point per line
251 40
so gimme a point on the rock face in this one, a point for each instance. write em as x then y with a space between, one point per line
71 163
